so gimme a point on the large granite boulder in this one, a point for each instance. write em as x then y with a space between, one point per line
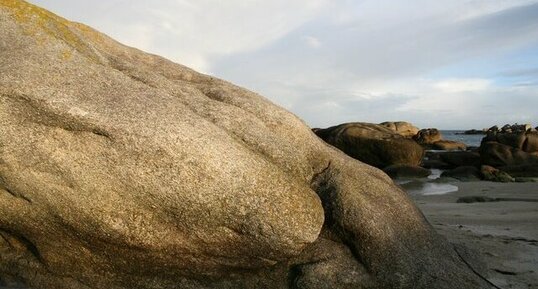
515 145
373 144
121 169
525 141
404 128
497 155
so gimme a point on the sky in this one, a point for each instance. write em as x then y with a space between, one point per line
449 64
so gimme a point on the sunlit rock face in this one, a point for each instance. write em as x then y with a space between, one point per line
402 127
373 144
121 169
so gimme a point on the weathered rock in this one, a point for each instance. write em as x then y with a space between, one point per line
507 128
406 129
449 145
428 136
120 169
496 154
436 164
465 173
493 129
524 170
373 144
525 141
405 171
490 173
460 158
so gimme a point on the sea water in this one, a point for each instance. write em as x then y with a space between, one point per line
431 185
457 135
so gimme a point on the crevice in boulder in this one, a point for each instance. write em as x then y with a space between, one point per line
293 274
4 187
124 69
321 183
50 118
473 269
20 243
16 195
525 145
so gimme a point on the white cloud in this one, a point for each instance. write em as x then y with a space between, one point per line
346 60
462 85
191 31
312 42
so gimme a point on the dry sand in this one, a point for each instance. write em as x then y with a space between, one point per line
504 233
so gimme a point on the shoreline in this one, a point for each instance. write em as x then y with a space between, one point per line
503 233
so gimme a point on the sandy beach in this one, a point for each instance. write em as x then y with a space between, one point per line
504 233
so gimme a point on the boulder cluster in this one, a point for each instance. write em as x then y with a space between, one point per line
514 128
402 150
505 155
398 148
507 128
513 149
373 144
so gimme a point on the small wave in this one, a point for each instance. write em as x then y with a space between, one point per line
428 188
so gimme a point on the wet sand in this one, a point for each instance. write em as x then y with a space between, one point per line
504 233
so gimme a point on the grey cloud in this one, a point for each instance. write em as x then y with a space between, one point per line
357 53
528 72
379 51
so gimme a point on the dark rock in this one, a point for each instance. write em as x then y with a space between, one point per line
524 170
373 144
493 129
465 173
507 128
460 158
428 136
405 171
432 155
474 132
473 149
436 164
476 199
483 199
